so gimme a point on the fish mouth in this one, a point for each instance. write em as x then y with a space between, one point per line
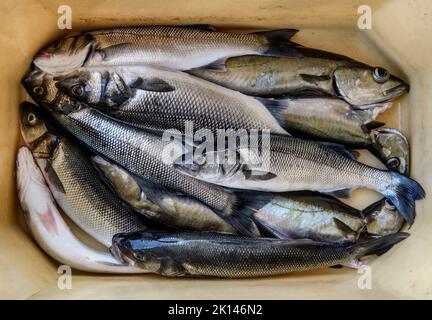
396 91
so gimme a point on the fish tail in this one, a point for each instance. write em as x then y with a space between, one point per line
242 214
279 43
403 193
378 245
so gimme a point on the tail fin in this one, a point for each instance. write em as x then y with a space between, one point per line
378 245
247 204
279 43
403 194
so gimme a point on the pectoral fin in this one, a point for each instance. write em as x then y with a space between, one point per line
53 178
152 84
253 174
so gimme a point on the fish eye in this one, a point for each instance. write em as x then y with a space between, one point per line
393 163
31 119
380 75
200 160
389 205
38 90
77 90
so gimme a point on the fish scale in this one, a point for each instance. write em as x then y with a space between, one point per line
187 98
141 153
228 256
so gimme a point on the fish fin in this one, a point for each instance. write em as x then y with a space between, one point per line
204 27
367 127
152 84
53 178
343 193
273 230
241 217
341 149
276 107
279 43
338 266
366 212
171 268
216 66
403 193
106 51
252 174
344 227
314 79
378 245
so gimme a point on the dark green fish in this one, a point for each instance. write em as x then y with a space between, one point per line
316 72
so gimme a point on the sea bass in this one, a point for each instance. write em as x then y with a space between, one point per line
293 164
160 204
73 181
49 229
177 254
178 48
316 72
148 97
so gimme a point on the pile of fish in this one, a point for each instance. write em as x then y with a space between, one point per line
96 147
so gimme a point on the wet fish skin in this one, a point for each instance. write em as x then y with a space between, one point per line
382 218
316 72
178 48
302 215
326 119
294 164
73 181
148 97
177 254
49 229
160 204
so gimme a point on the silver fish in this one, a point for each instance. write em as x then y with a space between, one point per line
310 216
73 181
293 164
178 48
49 229
178 254
382 218
160 99
160 204
139 151
316 72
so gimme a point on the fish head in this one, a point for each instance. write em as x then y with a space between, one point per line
35 131
391 146
136 249
42 88
363 85
65 55
382 218
99 88
212 166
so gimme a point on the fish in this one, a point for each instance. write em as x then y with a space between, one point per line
327 119
307 215
143 153
164 206
148 97
392 147
210 254
73 181
382 218
292 164
173 47
48 227
314 72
